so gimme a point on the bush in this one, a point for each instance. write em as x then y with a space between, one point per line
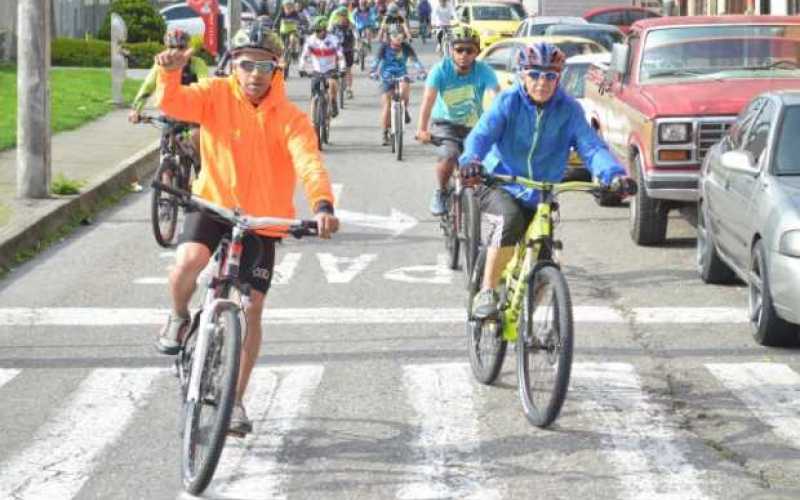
196 43
144 23
140 55
80 52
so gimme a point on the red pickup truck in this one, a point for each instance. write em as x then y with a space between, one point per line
673 89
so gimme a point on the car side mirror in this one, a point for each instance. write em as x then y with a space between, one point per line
739 161
619 59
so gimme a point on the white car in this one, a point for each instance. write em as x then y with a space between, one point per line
182 16
573 77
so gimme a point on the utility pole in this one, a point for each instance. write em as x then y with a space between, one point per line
33 99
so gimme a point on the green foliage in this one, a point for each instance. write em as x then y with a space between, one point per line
141 55
80 52
61 185
196 42
143 21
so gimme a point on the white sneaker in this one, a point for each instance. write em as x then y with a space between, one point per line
240 424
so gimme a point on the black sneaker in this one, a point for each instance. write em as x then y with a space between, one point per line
408 118
385 138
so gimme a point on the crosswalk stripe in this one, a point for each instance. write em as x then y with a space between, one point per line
276 402
65 450
643 448
442 397
770 390
6 375
97 316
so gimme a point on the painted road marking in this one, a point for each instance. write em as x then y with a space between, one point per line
66 450
442 396
438 274
284 271
252 467
343 269
641 445
97 316
7 375
770 390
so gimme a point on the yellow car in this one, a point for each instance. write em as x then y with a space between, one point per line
492 20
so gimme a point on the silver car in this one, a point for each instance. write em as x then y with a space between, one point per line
749 213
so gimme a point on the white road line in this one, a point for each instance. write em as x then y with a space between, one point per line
641 445
770 390
438 274
153 280
442 397
97 316
6 375
343 269
278 400
68 447
690 315
285 269
337 194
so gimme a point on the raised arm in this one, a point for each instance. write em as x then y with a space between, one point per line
189 103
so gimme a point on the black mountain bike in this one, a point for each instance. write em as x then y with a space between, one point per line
321 106
179 165
208 362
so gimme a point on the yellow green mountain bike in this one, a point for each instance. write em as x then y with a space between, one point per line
535 308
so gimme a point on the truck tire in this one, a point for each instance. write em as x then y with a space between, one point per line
648 217
710 266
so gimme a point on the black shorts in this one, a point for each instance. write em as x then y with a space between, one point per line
449 150
349 58
200 228
316 82
503 219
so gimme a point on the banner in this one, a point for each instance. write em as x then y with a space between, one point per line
209 12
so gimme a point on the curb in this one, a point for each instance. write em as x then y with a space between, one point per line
41 222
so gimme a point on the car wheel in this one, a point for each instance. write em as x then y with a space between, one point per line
648 217
768 328
709 265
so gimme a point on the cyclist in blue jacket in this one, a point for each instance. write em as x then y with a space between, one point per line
528 132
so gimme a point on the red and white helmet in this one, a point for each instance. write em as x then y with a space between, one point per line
540 55
176 38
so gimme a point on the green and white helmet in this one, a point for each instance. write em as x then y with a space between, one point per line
257 36
465 34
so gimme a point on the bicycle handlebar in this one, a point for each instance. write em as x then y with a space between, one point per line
595 188
296 227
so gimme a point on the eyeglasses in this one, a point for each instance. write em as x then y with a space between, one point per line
249 66
464 50
550 76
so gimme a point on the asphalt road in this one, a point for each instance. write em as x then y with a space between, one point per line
363 390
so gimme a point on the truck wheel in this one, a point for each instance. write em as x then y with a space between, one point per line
709 265
648 217
767 327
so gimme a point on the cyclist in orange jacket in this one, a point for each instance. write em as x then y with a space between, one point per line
254 143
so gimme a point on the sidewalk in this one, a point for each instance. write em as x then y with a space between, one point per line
108 153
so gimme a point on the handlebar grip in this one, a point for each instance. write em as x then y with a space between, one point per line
305 228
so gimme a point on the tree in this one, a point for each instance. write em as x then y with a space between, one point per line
144 23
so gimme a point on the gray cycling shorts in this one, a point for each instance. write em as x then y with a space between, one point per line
449 150
503 219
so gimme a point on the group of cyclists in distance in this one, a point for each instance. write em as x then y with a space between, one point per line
254 143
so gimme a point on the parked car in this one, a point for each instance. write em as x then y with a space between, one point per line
492 20
604 34
749 214
620 16
537 25
182 16
672 90
514 4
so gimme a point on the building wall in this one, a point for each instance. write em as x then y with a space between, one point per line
8 29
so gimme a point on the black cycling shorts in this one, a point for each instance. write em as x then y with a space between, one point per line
349 58
201 228
503 219
449 150
316 82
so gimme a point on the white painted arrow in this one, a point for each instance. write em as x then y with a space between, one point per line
396 223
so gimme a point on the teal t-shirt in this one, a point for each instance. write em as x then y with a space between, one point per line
460 97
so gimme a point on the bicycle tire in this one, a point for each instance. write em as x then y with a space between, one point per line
164 207
485 344
545 350
362 57
452 241
393 112
317 120
399 116
341 92
197 476
326 122
471 230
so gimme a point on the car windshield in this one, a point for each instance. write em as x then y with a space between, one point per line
787 152
605 38
494 13
579 48
693 52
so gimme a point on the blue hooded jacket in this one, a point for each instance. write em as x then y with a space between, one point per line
515 137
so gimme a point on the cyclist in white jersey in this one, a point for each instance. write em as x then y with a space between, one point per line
323 53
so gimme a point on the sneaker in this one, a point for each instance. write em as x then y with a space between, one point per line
484 305
334 110
169 340
385 138
240 424
408 118
349 94
438 205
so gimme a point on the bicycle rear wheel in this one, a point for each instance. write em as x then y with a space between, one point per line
451 224
326 121
207 420
399 116
341 91
470 230
362 57
485 344
164 206
544 346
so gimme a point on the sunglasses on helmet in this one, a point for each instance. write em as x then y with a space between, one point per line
249 66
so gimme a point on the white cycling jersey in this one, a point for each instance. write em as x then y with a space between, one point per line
323 55
442 15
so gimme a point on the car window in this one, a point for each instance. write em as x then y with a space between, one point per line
636 15
498 57
743 121
521 29
616 17
573 78
181 12
579 48
495 13
787 153
465 15
759 133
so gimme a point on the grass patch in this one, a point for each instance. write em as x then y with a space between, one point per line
78 95
61 185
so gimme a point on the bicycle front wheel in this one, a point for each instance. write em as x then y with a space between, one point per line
318 119
399 116
164 206
544 346
470 230
485 343
206 421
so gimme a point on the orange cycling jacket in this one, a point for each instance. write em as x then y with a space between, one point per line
251 155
